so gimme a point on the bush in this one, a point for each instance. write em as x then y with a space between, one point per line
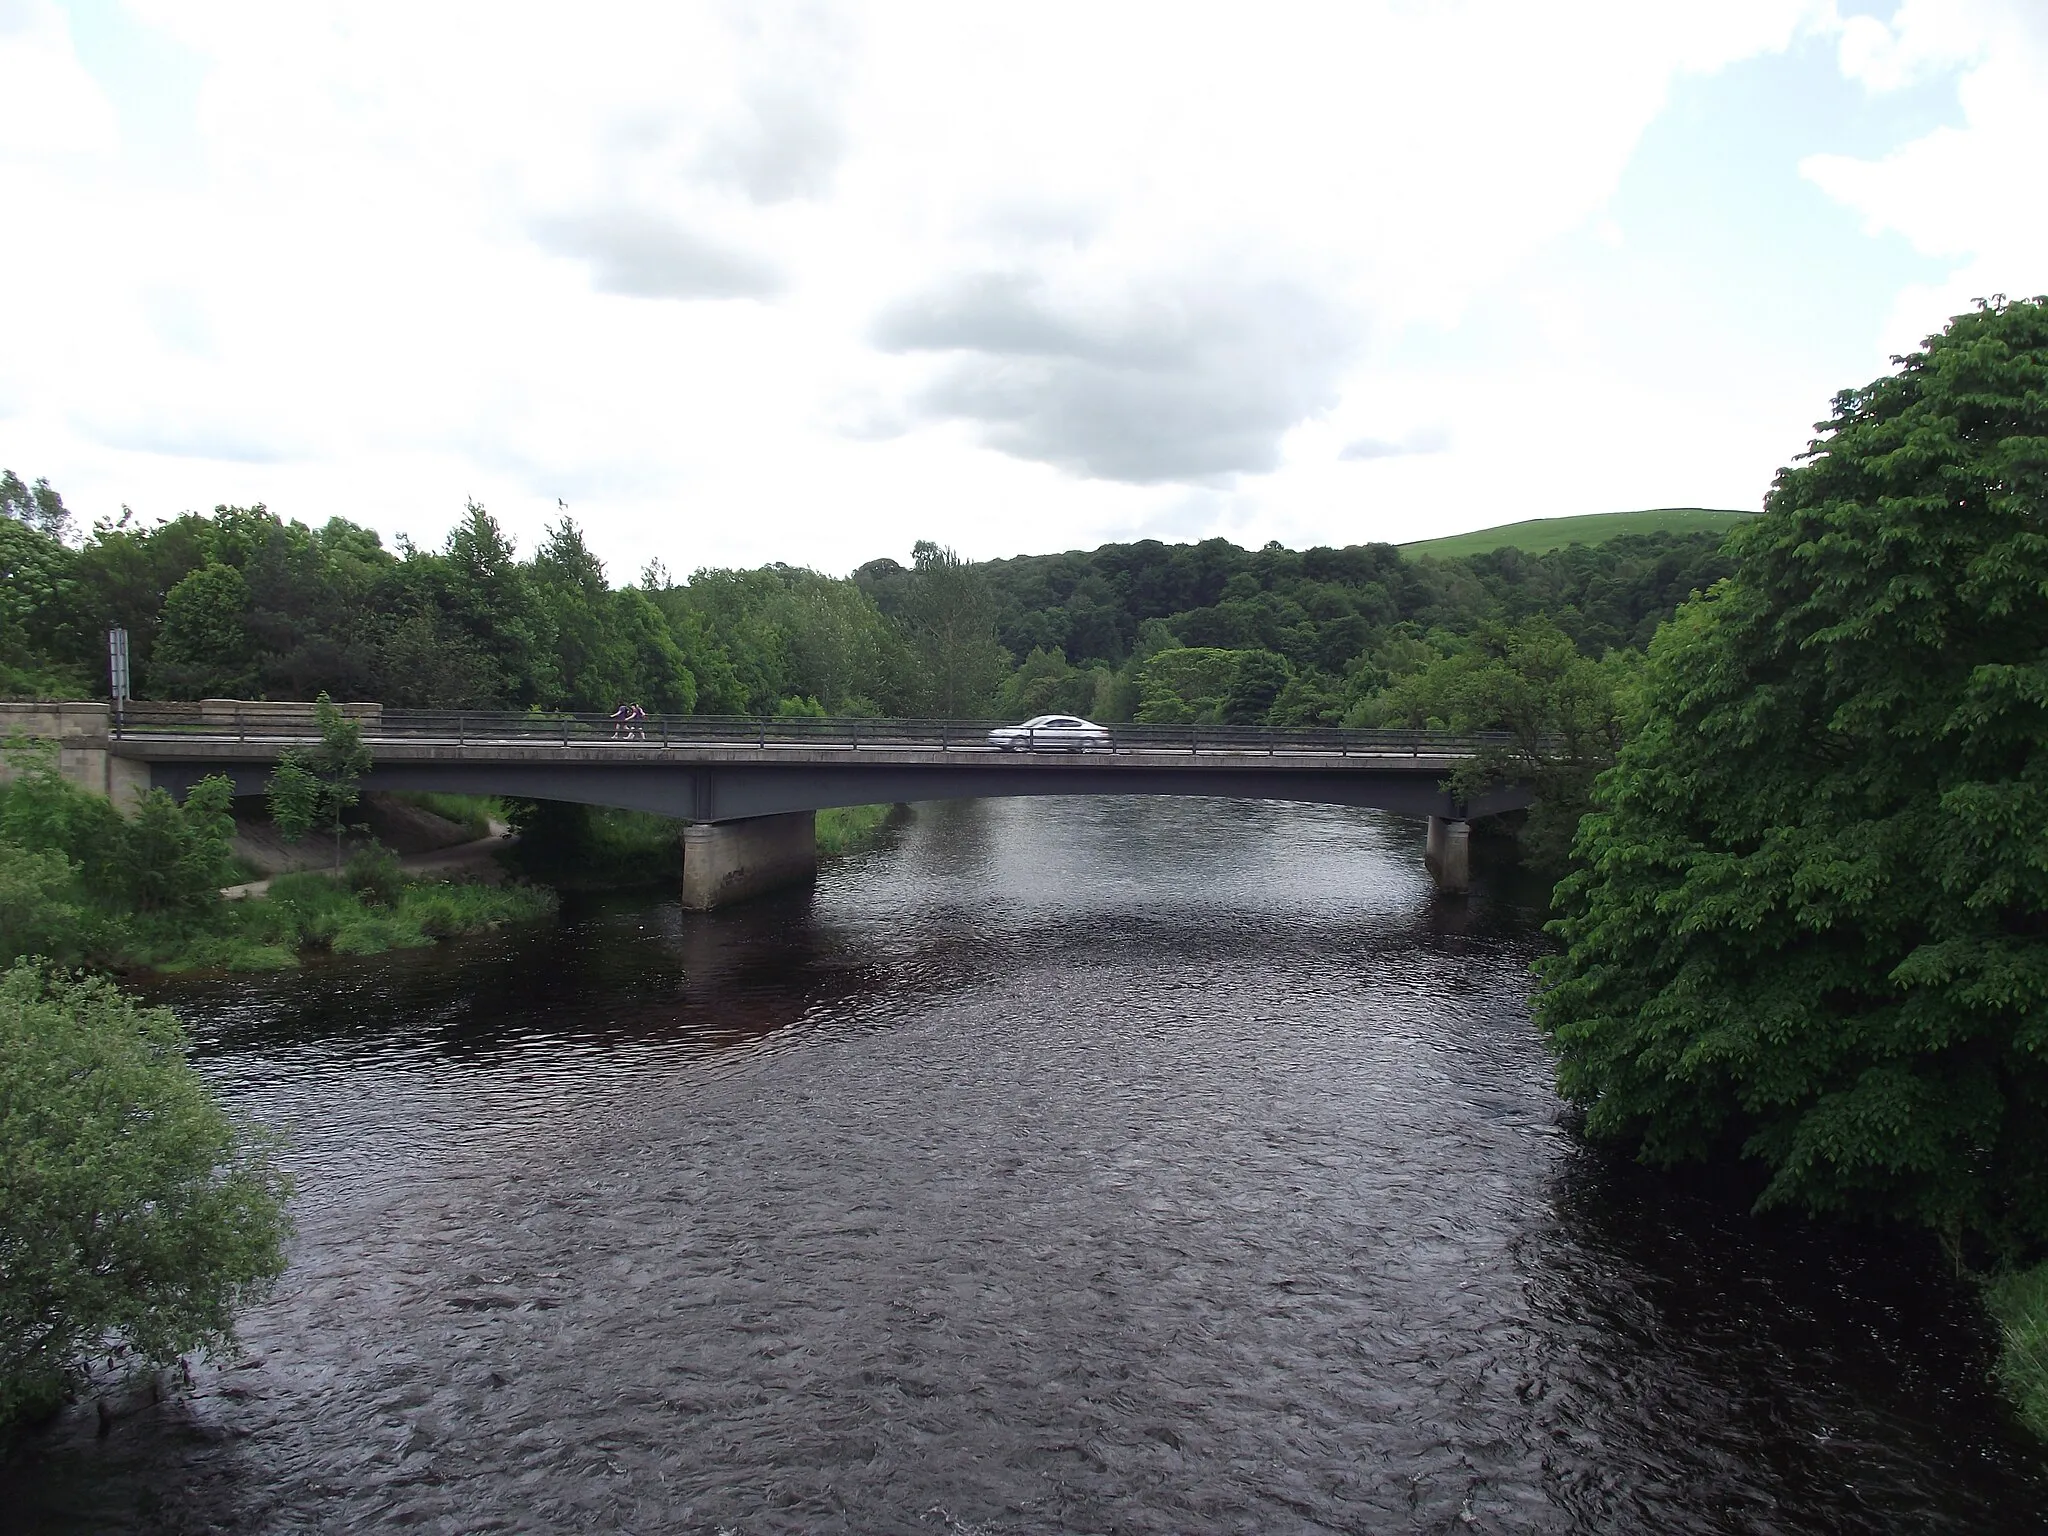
36 918
373 874
136 1212
302 909
172 856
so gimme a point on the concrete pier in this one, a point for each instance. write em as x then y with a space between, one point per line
728 861
1448 854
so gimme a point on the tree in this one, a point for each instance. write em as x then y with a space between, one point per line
1185 683
949 613
136 1212
317 787
1812 925
203 648
40 507
1563 717
1254 686
170 856
293 796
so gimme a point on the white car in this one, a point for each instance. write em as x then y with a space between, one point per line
1050 733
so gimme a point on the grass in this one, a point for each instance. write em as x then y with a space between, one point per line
585 848
1541 535
2019 1301
844 829
473 813
314 912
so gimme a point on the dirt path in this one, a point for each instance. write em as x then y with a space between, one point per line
477 856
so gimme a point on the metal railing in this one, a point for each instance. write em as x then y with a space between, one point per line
293 723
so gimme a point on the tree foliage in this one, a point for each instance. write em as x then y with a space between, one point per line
1562 713
135 1212
318 785
1812 926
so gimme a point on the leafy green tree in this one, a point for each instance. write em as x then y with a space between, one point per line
1812 925
203 646
136 1212
1185 684
170 856
36 915
35 506
40 812
1309 698
317 787
36 589
293 797
1254 685
1563 716
949 613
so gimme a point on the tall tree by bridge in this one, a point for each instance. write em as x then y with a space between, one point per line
1812 929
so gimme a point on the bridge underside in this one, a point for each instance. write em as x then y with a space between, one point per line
741 791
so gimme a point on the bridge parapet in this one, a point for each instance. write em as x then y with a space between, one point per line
81 733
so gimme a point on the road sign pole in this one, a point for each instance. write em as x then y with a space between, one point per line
117 670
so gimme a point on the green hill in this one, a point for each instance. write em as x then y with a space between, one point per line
1542 534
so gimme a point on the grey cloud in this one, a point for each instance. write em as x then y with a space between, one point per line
1429 440
1188 385
784 143
648 257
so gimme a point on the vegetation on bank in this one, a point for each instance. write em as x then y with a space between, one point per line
844 829
1541 535
81 885
2019 1303
138 1214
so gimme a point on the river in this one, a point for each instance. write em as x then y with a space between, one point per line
1106 1165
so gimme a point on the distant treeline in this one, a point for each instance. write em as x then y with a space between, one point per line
242 603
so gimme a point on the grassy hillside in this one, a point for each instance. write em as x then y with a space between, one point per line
1540 535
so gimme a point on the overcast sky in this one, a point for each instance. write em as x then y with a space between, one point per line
746 282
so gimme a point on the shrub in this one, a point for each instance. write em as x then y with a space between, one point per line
373 874
136 1212
35 917
375 932
172 856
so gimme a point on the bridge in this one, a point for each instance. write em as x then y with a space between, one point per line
749 788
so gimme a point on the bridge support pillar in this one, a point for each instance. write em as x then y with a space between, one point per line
728 861
1448 854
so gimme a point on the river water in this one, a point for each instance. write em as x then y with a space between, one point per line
1104 1165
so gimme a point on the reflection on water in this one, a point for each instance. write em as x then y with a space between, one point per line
1106 1165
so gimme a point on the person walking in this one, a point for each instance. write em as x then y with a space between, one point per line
622 721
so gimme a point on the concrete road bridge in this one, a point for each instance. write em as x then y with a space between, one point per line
749 788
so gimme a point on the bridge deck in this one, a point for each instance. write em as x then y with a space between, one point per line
704 769
1279 757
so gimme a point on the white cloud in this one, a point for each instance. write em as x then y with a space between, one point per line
48 104
1968 192
748 282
